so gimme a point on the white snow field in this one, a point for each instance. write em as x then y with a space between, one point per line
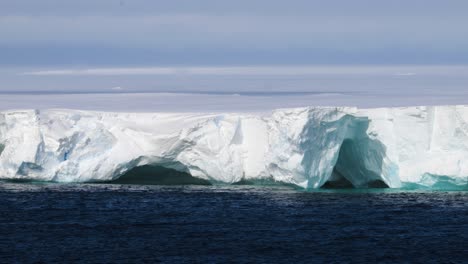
308 147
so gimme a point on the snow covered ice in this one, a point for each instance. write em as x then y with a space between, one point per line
308 147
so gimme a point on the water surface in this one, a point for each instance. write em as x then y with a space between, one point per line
113 223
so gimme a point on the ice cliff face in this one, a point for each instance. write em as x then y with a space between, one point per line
308 147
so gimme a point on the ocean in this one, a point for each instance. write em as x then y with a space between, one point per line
125 223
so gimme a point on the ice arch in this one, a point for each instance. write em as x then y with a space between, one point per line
339 150
353 167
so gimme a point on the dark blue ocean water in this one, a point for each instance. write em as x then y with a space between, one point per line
110 223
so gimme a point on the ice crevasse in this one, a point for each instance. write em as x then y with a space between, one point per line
309 147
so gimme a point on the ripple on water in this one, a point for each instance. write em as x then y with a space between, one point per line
136 223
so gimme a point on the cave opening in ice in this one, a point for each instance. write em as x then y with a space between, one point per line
351 171
158 175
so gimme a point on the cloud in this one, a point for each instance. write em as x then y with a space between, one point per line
260 70
257 7
405 74
179 31
339 30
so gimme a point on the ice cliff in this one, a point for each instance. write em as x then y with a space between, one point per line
307 147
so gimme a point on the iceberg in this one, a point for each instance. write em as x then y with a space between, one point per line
308 147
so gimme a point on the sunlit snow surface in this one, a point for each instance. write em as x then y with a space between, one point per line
306 147
225 102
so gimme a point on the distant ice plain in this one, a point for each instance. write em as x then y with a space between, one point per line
231 89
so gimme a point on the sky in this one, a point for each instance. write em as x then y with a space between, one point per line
214 32
159 45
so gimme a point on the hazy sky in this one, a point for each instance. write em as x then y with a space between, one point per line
243 45
93 33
